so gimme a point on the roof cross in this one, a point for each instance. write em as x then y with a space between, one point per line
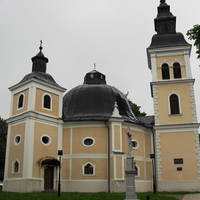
40 45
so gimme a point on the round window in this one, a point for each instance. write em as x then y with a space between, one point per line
135 144
88 142
46 139
17 139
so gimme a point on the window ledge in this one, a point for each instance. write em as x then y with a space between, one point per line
174 114
88 174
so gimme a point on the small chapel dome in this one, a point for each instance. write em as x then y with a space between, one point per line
95 100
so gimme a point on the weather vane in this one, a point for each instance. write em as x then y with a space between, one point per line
94 66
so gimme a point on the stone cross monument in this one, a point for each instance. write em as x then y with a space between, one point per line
130 171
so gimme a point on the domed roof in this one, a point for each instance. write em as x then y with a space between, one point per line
43 76
95 100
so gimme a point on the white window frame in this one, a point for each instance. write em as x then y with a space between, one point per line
138 169
88 138
18 101
83 169
133 140
13 166
18 135
45 135
179 102
50 102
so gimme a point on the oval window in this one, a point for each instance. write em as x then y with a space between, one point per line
45 139
88 142
17 139
135 144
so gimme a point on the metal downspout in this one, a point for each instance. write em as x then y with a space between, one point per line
108 156
154 169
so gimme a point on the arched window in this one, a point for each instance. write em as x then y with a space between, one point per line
165 71
16 167
174 104
47 101
21 101
177 70
137 171
88 169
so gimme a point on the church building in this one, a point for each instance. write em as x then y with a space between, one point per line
83 133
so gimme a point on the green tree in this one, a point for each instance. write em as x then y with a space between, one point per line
136 109
3 137
194 34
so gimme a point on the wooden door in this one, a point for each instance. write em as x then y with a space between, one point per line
48 178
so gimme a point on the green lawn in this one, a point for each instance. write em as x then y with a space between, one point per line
82 196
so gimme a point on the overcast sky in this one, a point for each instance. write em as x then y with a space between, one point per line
114 34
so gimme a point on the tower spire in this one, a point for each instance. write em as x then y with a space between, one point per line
165 23
39 61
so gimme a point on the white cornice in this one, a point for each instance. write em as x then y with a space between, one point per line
176 127
36 116
172 81
170 50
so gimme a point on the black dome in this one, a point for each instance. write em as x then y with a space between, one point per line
95 100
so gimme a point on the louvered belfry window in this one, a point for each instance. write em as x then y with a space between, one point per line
165 71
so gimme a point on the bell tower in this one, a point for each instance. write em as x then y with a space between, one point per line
34 131
176 127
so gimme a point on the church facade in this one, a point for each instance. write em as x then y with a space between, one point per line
87 127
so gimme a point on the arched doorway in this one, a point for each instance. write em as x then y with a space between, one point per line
49 165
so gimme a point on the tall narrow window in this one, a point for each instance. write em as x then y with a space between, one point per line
88 169
177 70
16 167
174 104
21 101
47 102
165 71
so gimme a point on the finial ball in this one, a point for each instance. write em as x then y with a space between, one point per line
162 1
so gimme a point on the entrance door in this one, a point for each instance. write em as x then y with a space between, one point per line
48 177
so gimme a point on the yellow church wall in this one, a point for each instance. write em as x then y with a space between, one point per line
147 145
119 160
117 137
42 151
66 141
185 141
39 102
148 171
99 134
163 92
15 109
65 166
100 168
170 60
15 151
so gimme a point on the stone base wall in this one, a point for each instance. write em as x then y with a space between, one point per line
23 185
189 186
37 185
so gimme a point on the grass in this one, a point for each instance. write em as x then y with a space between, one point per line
83 196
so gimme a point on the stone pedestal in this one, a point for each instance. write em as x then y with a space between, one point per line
130 179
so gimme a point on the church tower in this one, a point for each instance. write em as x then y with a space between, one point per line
34 130
176 128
